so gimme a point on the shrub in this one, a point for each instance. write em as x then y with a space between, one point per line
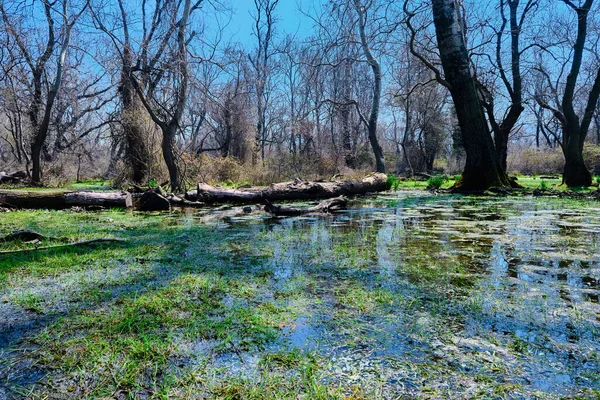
275 168
591 155
393 182
436 182
533 161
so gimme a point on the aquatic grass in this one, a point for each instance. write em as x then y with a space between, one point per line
393 182
135 335
418 297
436 182
29 301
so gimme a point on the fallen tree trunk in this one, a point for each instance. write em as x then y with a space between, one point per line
15 177
57 200
327 206
295 190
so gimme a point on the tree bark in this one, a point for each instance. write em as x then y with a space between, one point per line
137 154
57 200
168 140
349 153
327 206
575 172
482 169
295 190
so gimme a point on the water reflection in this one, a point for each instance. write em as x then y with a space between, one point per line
447 281
531 267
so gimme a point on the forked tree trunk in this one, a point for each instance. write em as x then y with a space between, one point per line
482 169
575 129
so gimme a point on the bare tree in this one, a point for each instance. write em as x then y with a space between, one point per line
482 169
264 24
371 122
512 81
174 69
44 89
574 125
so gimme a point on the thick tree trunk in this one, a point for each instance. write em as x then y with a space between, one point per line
482 169
295 190
501 143
575 129
170 156
36 162
137 154
61 200
377 149
575 172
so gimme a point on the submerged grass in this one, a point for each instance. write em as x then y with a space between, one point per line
442 297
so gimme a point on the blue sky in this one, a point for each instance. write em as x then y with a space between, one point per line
289 19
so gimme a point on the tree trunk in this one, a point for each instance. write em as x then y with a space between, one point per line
575 172
42 130
482 169
36 162
375 100
137 154
168 139
349 154
575 129
296 190
61 200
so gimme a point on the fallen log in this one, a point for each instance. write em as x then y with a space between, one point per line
153 201
327 206
295 190
57 200
15 177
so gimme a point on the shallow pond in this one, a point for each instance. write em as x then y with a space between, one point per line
409 295
445 293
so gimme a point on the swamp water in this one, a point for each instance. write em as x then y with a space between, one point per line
404 295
